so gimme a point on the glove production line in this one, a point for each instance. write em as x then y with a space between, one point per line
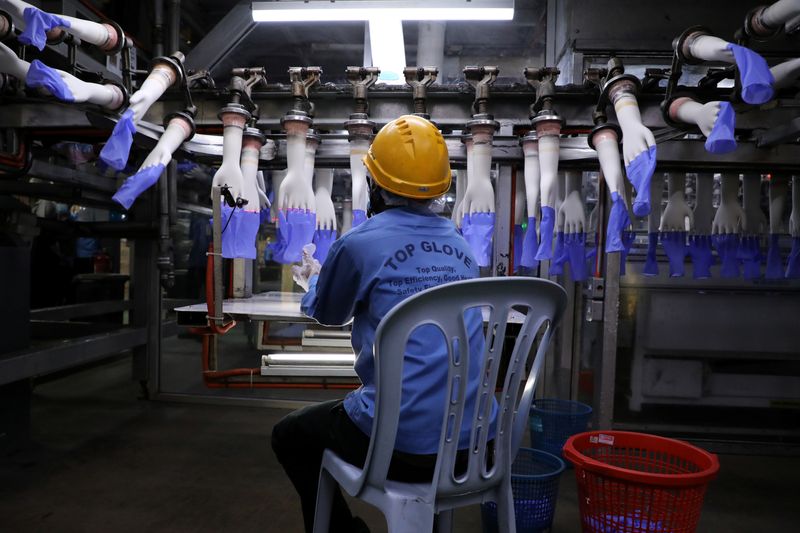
666 200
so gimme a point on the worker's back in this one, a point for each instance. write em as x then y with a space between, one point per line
393 255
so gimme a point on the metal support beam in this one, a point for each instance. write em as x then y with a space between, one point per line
73 352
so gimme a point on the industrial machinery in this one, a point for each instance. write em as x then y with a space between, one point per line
684 296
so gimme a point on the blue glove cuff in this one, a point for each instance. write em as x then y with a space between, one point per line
793 264
774 260
545 250
560 257
136 185
754 73
37 24
640 173
118 147
323 239
478 229
359 217
530 245
575 247
674 244
618 220
40 75
296 227
722 139
651 261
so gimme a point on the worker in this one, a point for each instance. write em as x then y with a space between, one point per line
402 249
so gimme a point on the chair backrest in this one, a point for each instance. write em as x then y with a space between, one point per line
541 301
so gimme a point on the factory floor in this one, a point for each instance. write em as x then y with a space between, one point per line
103 460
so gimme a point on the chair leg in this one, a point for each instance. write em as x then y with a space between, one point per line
405 516
506 520
445 521
325 492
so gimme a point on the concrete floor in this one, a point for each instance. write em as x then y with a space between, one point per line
103 460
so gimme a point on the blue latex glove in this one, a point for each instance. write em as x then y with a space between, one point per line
575 246
640 172
137 184
560 257
545 250
519 235
118 147
793 264
40 75
701 254
727 247
618 220
750 254
276 250
37 24
530 245
627 241
754 74
774 260
359 217
674 244
323 238
651 262
722 139
297 229
478 229
239 229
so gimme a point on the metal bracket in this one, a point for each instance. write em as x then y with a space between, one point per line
543 81
481 78
362 78
419 79
302 79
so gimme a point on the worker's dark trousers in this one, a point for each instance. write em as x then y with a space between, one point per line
299 440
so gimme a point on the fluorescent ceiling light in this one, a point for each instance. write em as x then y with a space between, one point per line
355 10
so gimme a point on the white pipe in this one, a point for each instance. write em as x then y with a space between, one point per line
479 196
794 218
710 48
11 64
458 206
548 164
323 185
572 208
278 176
297 191
158 81
108 96
519 201
178 130
230 172
607 146
101 35
358 173
728 218
532 177
703 203
786 73
430 43
636 137
704 116
780 12
251 148
754 221
778 191
677 215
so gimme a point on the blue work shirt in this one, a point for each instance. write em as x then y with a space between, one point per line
368 271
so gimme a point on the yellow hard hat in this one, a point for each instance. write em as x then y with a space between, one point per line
408 157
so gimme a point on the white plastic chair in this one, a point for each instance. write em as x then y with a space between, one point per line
410 507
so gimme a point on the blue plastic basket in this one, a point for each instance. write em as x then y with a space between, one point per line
552 422
534 482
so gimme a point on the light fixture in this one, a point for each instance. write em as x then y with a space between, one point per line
355 10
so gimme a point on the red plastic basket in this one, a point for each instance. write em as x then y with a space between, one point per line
636 483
